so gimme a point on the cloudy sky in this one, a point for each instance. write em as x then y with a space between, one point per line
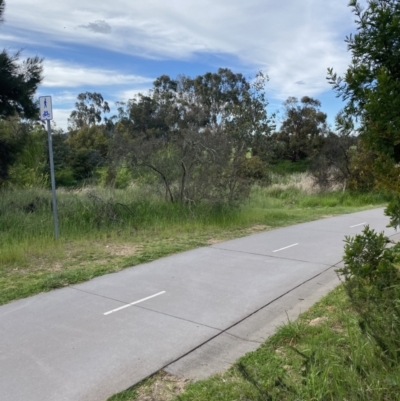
119 47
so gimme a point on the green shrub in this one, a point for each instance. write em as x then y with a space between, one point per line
362 176
27 177
253 168
285 167
123 178
119 178
372 281
65 178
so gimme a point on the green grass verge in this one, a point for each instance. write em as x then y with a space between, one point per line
106 231
321 356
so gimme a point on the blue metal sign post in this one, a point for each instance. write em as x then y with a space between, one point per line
46 114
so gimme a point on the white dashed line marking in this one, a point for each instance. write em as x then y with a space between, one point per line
286 247
357 225
134 303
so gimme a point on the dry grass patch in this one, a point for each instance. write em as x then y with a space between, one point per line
214 241
255 229
258 228
160 387
56 267
165 387
317 321
123 249
303 181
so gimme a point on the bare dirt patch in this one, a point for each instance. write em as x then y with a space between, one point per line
123 250
213 241
163 387
318 321
256 229
244 232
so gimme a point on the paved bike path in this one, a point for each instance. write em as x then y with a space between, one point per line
89 341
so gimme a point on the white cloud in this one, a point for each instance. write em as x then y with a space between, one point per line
60 74
126 95
64 81
292 41
9 38
14 42
59 98
64 98
61 118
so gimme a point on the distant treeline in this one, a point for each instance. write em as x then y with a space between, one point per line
202 138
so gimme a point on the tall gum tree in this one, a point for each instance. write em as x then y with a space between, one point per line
371 84
195 133
303 128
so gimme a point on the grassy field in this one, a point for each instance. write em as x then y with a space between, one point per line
105 231
324 355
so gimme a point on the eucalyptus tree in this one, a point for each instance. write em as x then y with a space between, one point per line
88 110
304 127
88 135
194 133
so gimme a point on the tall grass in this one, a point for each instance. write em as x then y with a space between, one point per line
26 215
95 224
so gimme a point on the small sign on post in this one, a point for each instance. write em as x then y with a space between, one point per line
46 114
46 108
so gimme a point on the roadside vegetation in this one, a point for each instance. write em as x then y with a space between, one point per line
105 231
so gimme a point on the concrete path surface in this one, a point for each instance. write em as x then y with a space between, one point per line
192 314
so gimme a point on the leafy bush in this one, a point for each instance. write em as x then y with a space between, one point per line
362 174
372 281
65 178
30 167
253 168
119 178
342 161
27 177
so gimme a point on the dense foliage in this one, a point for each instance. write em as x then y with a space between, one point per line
303 129
372 87
18 82
193 134
371 84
